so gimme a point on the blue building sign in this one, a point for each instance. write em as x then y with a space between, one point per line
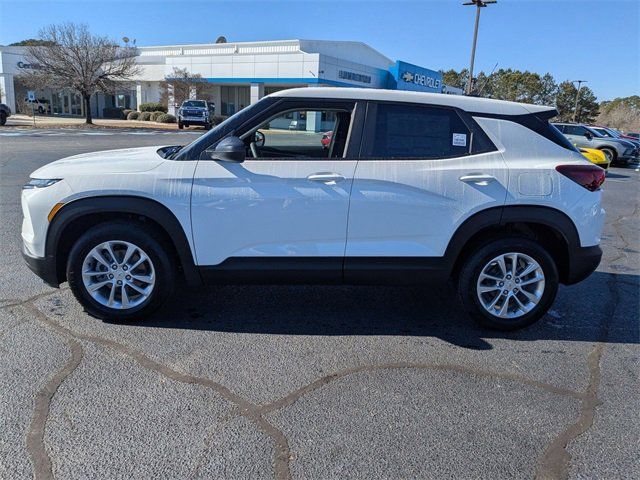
406 76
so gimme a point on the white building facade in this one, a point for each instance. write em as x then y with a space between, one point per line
233 75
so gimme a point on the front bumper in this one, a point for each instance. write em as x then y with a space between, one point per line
194 120
44 267
583 262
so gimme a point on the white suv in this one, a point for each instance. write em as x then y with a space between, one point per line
413 188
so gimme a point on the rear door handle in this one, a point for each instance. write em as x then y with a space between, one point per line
328 178
477 178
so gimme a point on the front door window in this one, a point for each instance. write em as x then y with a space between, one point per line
301 134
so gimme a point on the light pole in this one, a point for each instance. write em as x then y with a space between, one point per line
479 4
575 110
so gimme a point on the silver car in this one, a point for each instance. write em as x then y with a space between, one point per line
617 150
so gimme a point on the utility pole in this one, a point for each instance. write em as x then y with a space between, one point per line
575 110
479 4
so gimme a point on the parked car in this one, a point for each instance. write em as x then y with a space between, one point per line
616 150
326 139
40 105
5 112
417 188
613 133
194 112
595 156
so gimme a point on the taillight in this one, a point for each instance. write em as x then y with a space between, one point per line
587 176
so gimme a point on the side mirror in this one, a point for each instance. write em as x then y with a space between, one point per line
230 149
589 135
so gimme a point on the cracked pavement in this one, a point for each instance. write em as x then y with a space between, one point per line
316 382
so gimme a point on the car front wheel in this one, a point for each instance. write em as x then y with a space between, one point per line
3 118
508 283
119 271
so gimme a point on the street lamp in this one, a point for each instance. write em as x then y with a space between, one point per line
479 4
575 110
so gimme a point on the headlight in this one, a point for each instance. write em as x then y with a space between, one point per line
40 183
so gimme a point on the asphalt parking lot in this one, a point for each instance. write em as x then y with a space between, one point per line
314 382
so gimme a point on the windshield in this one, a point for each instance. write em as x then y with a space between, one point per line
195 103
603 132
595 132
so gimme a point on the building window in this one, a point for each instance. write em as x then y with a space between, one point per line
227 97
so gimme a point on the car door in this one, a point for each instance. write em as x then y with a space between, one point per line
283 211
423 170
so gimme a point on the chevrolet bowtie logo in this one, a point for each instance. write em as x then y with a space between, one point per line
407 76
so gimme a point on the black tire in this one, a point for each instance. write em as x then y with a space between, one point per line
610 154
207 126
140 235
180 126
40 110
3 118
473 266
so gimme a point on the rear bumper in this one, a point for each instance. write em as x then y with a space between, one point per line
582 262
44 267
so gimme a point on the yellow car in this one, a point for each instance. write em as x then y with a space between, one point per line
595 156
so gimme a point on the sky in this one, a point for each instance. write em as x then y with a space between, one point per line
597 41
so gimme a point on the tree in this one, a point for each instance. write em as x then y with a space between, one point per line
548 90
588 107
456 79
621 113
71 57
29 42
181 84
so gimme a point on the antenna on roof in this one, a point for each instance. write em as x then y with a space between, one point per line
487 80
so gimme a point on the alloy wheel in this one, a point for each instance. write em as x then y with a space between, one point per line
510 285
118 274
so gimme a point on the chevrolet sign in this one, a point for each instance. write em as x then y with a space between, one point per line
406 76
421 79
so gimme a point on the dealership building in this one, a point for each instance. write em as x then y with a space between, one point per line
232 75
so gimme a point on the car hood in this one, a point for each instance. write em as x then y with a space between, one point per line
126 160
621 141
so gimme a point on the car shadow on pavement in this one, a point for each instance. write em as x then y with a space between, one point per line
605 307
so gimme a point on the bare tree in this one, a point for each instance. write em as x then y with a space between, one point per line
180 84
71 57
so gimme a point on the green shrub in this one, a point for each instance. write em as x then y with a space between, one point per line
145 116
152 107
155 115
112 112
166 118
126 112
133 115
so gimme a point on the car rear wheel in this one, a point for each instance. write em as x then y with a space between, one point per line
120 272
180 125
508 283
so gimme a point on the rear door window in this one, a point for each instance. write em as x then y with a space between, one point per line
407 131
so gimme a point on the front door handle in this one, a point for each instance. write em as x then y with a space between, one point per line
477 178
328 178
